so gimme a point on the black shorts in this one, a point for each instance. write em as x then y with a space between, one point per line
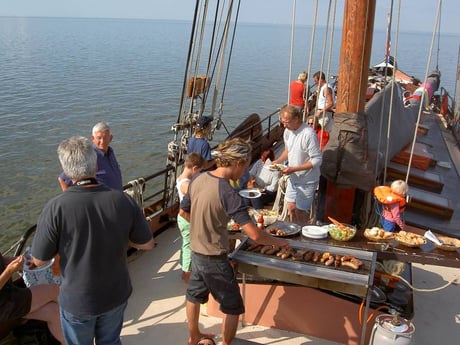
214 274
15 302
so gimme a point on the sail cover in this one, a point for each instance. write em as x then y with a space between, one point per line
358 141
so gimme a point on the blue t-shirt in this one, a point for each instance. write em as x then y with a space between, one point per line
108 170
201 146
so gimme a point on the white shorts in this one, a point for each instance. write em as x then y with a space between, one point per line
300 192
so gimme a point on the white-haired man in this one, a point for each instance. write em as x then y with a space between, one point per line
90 226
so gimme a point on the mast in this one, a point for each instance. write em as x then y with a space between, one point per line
358 26
355 55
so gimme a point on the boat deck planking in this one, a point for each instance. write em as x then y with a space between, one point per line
417 178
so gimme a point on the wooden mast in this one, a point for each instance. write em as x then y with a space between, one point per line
355 55
358 27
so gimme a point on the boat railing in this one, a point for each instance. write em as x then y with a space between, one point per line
262 133
446 106
153 197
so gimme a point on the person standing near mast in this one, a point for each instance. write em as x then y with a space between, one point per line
324 102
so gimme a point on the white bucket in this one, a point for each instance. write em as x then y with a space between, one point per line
39 275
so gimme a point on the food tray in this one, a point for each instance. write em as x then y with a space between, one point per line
289 229
378 238
404 238
450 244
276 167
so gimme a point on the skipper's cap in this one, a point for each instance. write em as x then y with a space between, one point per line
203 121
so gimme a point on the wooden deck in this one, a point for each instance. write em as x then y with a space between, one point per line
444 217
156 310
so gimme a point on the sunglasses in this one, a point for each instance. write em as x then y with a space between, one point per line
310 123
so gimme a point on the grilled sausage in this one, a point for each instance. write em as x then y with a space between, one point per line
299 254
308 255
281 252
324 257
265 249
329 260
256 248
337 261
350 264
251 246
287 254
316 256
347 258
272 250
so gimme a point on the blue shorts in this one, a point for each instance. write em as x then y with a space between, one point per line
388 225
300 192
215 275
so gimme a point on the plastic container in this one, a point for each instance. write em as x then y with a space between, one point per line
39 275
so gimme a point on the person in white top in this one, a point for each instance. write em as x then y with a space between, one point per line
192 167
304 161
324 102
261 176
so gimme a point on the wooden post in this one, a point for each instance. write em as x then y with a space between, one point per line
355 54
358 27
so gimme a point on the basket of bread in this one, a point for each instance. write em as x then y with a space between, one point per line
448 243
410 239
378 234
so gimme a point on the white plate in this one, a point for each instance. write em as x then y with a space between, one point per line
250 193
316 232
278 167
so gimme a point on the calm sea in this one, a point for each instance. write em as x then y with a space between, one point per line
58 77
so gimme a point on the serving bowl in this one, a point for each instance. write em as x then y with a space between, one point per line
345 233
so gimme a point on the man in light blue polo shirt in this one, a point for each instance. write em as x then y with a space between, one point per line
108 169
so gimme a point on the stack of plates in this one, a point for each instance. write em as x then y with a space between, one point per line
315 232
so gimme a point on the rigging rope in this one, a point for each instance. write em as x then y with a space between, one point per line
291 54
222 55
393 84
312 41
219 121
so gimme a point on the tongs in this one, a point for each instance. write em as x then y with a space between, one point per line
432 237
341 226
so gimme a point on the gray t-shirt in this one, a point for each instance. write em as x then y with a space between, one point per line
211 202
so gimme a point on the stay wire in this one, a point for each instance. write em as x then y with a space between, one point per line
312 44
291 54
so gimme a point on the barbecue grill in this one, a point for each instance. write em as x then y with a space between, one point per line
317 275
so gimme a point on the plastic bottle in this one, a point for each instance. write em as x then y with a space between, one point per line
260 222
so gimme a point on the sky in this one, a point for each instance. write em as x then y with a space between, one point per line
416 15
